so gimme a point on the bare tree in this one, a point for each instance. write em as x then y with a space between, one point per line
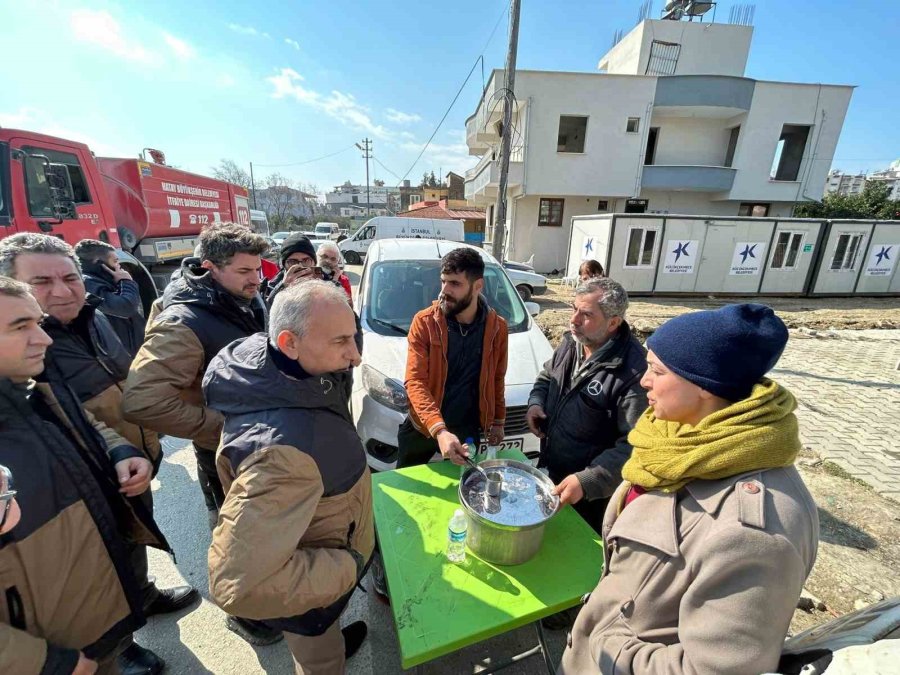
282 198
229 170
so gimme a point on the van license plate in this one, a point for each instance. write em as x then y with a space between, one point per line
505 444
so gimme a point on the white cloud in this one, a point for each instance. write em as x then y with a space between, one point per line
292 43
401 117
100 29
407 135
340 106
226 80
447 156
180 48
248 30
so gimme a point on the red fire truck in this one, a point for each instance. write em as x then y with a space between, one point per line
151 212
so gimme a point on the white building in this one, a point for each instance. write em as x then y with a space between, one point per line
845 183
891 177
670 125
380 197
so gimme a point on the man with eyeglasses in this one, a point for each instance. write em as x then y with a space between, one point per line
71 600
298 263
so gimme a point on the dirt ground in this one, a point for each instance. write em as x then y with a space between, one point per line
859 545
646 314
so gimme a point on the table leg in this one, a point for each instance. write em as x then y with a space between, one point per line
543 645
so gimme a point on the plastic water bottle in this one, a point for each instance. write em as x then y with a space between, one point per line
491 452
456 537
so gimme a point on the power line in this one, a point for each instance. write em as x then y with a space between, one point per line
308 161
453 102
377 161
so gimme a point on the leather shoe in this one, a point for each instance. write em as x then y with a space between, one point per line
172 600
354 634
256 633
137 660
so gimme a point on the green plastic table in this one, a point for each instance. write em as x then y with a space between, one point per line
440 607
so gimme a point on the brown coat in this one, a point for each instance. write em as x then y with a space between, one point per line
107 407
426 370
163 392
702 581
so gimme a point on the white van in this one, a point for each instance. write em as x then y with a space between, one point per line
327 230
387 227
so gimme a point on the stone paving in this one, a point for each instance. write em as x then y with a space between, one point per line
847 385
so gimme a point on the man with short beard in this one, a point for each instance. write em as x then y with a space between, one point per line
455 368
588 397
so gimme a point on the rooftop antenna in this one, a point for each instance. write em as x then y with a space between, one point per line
617 37
644 10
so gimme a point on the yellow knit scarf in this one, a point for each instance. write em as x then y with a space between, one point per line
758 432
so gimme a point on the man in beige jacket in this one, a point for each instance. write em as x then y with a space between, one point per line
296 528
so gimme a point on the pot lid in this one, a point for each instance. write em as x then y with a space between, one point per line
524 499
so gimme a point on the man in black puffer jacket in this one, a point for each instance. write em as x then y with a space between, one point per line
588 397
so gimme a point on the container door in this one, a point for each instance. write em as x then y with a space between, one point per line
734 254
679 259
792 254
845 252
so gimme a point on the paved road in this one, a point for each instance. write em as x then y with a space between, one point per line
197 641
848 389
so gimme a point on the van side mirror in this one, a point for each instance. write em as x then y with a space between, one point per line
533 308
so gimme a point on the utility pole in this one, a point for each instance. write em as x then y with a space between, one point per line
252 186
499 234
367 155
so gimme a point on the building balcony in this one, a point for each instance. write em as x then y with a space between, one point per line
688 178
711 96
483 181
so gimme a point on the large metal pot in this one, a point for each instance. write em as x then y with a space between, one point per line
502 530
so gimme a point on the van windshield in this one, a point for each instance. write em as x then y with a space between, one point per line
400 288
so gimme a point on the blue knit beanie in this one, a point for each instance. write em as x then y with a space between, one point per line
724 351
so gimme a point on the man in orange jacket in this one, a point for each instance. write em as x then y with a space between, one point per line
455 367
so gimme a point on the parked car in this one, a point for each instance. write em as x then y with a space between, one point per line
526 283
401 277
279 238
389 227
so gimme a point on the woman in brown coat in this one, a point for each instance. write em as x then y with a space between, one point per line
709 541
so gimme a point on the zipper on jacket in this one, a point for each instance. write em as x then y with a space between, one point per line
16 608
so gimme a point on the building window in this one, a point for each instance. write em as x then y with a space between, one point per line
789 152
787 250
415 199
846 252
633 125
755 210
732 146
603 205
551 213
650 154
641 243
663 58
572 131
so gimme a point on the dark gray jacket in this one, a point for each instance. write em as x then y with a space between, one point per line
120 302
588 423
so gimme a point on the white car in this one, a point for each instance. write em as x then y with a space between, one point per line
401 277
528 283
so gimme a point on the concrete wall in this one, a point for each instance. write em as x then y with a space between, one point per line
611 156
706 49
548 244
688 140
774 105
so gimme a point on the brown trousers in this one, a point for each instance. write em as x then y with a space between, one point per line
319 655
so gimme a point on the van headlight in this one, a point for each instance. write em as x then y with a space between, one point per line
386 390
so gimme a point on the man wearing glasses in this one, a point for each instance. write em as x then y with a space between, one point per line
71 600
298 263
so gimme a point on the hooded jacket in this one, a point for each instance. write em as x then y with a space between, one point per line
66 582
296 526
197 318
120 301
88 355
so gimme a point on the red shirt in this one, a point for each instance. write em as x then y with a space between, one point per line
633 493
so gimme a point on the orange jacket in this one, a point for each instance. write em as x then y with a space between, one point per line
426 370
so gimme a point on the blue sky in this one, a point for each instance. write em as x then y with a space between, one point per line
280 83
